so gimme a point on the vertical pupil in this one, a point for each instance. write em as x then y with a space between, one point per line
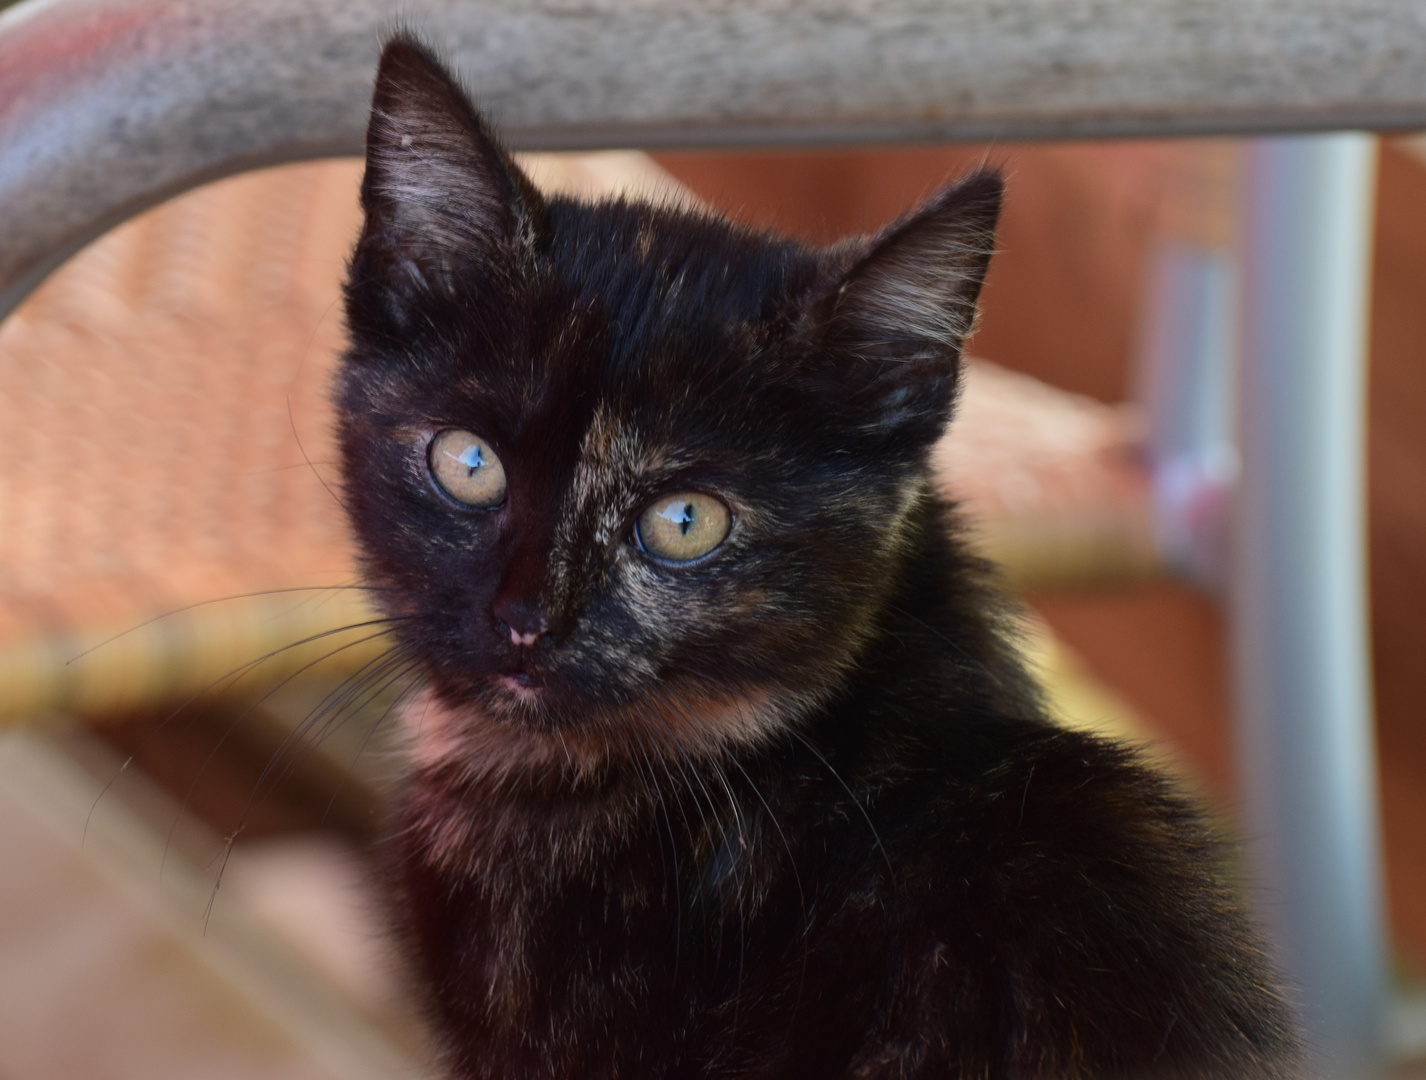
471 459
682 516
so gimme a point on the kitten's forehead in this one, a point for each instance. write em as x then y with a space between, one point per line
666 281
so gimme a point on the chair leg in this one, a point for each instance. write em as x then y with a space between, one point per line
1186 372
1299 606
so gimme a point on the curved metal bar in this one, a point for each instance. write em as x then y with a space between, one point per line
109 106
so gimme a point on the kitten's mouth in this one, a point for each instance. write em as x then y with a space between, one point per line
521 685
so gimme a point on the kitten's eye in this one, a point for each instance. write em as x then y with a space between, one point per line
467 469
683 526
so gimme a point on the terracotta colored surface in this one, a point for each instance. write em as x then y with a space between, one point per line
149 458
1397 463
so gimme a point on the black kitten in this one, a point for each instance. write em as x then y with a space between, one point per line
724 766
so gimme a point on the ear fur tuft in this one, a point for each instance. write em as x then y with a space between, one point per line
438 190
894 322
914 290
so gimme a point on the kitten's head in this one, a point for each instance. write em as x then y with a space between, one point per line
627 474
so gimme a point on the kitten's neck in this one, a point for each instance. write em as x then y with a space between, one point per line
945 630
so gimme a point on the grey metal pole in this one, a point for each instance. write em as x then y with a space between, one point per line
1187 372
1303 685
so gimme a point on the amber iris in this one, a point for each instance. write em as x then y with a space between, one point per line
683 526
467 469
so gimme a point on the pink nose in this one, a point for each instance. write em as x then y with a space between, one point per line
525 621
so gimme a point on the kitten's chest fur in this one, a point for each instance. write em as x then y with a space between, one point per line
635 920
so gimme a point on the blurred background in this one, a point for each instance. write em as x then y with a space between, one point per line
202 742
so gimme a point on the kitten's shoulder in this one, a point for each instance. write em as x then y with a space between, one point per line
1040 807
1114 937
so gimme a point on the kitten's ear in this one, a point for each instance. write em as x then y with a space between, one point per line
438 191
895 321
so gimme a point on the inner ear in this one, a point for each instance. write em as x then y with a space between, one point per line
892 323
438 191
914 290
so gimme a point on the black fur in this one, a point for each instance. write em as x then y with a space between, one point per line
793 809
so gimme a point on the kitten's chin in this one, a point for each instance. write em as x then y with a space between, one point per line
519 728
520 689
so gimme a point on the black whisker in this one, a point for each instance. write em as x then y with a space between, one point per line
330 708
247 711
292 422
223 600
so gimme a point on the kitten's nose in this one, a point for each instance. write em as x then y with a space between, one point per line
524 619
